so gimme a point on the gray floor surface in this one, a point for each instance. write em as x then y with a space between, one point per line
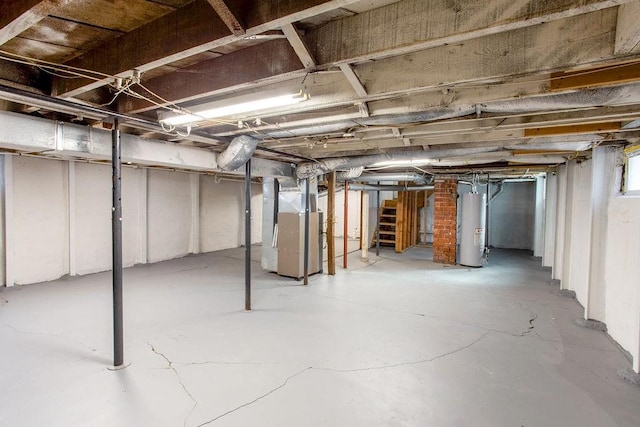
396 341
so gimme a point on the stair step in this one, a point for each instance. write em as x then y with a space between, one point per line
387 224
387 241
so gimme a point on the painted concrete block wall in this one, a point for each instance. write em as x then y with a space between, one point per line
511 216
40 220
91 223
169 214
60 220
222 214
92 210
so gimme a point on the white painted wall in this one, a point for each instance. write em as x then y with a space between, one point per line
40 220
222 214
511 216
599 249
622 269
60 217
353 221
169 214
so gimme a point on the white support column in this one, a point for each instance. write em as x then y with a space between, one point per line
636 357
194 241
603 178
364 225
143 219
71 185
551 201
8 221
538 236
558 264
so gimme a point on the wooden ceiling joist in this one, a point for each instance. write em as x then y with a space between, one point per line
573 129
595 77
228 17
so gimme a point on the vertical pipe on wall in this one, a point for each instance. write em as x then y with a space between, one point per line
345 232
378 222
71 187
364 226
331 221
116 230
8 221
486 227
307 201
247 236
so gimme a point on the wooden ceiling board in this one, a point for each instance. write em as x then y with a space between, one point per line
72 34
118 15
41 50
173 3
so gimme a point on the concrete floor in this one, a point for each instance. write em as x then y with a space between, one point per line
396 341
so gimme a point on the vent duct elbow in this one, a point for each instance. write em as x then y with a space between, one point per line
238 152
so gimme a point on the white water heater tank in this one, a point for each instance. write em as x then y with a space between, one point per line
472 229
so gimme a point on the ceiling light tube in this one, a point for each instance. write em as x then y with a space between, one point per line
256 105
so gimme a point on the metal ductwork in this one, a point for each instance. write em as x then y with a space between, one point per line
350 174
395 177
310 169
239 151
611 96
376 187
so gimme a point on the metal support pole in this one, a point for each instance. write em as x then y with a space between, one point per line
345 232
378 223
247 237
307 202
331 218
486 227
116 230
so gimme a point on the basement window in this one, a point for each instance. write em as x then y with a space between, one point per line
632 182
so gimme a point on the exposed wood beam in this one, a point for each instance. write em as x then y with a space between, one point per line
228 17
628 30
363 108
298 45
581 40
573 129
18 15
599 76
194 28
251 65
353 80
406 142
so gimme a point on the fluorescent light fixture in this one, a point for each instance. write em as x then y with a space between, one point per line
247 104
417 162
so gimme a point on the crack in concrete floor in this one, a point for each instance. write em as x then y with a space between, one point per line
175 371
310 368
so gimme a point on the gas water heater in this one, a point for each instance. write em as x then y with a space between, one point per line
472 229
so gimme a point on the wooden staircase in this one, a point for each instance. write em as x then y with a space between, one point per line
400 220
388 222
